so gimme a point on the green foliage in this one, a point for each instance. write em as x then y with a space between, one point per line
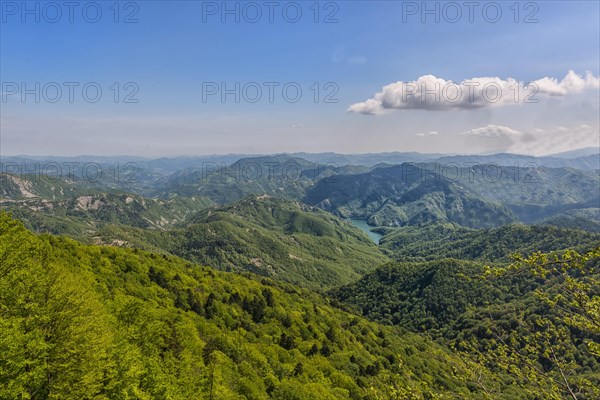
533 326
554 342
82 322
584 218
83 216
422 297
22 187
489 245
54 332
276 238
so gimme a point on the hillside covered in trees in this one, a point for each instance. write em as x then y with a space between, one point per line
495 245
536 319
230 288
100 322
282 239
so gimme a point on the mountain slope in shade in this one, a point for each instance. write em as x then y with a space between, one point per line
421 297
400 196
534 192
580 218
477 196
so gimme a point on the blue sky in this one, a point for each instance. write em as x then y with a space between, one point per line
174 49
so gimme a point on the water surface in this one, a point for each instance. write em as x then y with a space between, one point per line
363 226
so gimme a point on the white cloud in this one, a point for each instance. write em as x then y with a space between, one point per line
432 133
495 138
571 83
538 141
429 92
493 131
557 140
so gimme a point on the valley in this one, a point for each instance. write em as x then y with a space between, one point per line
365 281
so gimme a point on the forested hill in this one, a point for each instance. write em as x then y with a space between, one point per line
83 215
489 245
277 175
282 239
83 322
536 320
400 196
480 196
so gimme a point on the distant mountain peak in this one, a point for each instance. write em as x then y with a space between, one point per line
583 152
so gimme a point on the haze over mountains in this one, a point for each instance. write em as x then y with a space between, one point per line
485 191
171 164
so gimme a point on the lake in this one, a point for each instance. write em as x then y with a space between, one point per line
363 226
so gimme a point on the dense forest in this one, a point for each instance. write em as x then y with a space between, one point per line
536 319
495 245
261 287
102 322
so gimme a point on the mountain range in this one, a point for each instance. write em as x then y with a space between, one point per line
255 278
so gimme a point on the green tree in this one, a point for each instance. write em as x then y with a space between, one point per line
55 335
539 347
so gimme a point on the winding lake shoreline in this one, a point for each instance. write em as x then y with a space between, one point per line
363 226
